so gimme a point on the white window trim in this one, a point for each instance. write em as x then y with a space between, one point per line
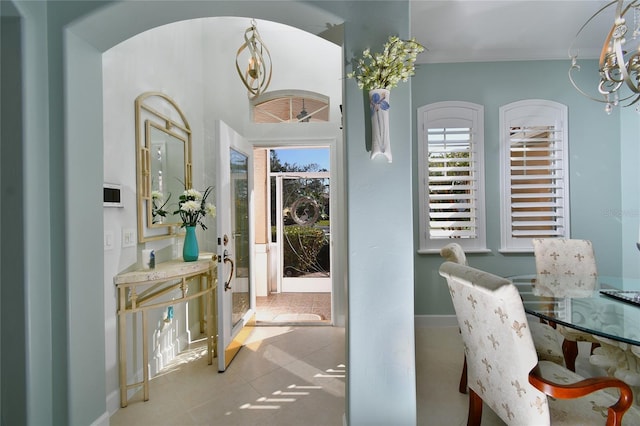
526 113
290 94
451 114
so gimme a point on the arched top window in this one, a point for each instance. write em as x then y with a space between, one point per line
290 106
534 173
452 190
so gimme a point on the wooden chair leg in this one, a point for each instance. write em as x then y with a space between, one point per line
570 352
475 409
462 388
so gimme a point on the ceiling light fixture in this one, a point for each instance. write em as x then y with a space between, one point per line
303 114
257 75
619 63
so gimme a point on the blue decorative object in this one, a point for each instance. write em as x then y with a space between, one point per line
379 104
190 250
152 259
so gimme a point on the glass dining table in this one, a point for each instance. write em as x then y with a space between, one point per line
603 306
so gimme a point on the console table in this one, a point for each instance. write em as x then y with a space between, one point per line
142 290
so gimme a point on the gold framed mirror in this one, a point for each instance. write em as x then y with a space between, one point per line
163 162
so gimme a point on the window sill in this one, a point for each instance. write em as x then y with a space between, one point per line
516 251
467 251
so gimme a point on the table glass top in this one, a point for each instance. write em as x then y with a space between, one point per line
579 303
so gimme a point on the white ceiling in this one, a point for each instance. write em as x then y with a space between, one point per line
499 30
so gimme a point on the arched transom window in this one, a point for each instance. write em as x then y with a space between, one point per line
286 106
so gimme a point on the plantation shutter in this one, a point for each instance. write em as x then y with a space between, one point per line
452 184
535 173
452 176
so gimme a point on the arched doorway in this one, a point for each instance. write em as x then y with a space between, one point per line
83 162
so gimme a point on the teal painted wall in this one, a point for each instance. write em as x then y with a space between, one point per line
12 364
595 162
630 187
381 358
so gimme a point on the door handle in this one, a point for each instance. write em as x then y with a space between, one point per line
227 259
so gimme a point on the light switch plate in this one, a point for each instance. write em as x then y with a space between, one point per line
108 240
128 237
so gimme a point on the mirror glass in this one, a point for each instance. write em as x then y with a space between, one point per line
167 175
163 162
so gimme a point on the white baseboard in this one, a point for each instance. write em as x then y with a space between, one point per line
436 321
103 420
113 402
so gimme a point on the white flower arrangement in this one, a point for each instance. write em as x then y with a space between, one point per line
193 207
385 70
158 204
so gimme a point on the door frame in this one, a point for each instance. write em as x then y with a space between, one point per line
337 208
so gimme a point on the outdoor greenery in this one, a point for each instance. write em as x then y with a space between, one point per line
305 241
459 165
278 166
304 244
295 188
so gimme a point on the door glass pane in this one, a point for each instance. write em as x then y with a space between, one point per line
306 227
240 232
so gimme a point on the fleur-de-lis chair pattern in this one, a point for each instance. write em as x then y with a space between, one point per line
545 337
619 359
571 265
503 368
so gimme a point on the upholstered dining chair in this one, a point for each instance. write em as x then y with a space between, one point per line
453 252
574 261
620 360
545 337
504 370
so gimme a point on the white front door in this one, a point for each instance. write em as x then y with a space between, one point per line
236 296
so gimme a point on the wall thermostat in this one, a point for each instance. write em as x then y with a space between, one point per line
112 195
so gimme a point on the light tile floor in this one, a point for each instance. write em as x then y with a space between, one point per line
294 307
294 376
282 376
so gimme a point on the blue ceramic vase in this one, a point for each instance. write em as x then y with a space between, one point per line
190 251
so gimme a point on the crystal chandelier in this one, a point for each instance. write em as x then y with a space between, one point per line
257 75
619 63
